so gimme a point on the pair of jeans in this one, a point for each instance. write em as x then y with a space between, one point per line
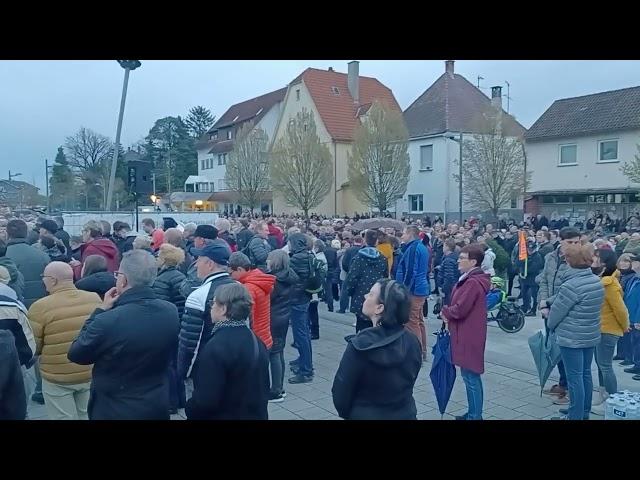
328 294
314 320
475 396
276 362
512 276
577 363
624 346
604 359
529 295
302 337
635 346
344 298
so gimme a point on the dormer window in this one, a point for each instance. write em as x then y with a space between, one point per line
335 90
229 134
259 112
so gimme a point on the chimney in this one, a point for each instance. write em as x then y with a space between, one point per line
331 69
353 80
496 97
448 67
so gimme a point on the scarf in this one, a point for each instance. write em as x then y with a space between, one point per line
228 323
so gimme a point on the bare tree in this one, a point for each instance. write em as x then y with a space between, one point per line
247 171
632 169
89 155
301 168
493 168
379 162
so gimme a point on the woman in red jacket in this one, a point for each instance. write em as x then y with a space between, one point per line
466 316
259 285
95 244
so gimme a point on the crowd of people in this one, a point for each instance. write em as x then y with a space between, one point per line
117 324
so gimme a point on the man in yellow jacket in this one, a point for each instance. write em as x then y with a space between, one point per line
56 321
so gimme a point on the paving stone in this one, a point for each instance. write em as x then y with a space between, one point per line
313 413
538 412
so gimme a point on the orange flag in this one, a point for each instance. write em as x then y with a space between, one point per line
522 246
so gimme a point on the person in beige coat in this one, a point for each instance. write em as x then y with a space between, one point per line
56 321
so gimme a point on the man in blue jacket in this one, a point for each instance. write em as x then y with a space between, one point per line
412 272
632 301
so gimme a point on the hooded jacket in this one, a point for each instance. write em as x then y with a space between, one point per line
100 246
99 282
467 316
31 262
299 263
377 374
16 278
276 235
260 286
13 318
281 304
13 402
367 267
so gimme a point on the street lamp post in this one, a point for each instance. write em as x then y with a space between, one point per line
128 65
14 175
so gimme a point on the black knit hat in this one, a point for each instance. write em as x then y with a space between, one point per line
50 226
206 231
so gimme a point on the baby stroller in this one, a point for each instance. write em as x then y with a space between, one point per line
503 309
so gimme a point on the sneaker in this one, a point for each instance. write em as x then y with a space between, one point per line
296 371
618 357
462 417
555 390
562 417
341 311
276 397
300 379
636 377
530 313
634 370
626 363
563 400
37 398
563 411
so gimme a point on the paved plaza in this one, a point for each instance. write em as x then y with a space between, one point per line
511 390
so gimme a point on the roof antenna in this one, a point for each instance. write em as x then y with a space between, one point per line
479 78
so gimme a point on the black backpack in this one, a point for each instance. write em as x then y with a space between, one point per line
317 275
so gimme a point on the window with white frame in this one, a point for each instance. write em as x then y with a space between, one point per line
568 155
426 157
608 151
415 203
298 95
222 185
222 159
229 134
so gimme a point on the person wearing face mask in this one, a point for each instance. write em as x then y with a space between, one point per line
614 322
379 368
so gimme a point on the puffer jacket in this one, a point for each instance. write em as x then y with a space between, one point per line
299 263
257 250
56 321
99 282
367 268
31 263
195 326
552 276
377 374
13 402
260 286
333 266
16 281
13 317
575 311
447 275
614 315
243 237
167 287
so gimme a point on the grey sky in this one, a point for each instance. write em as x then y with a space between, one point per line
42 102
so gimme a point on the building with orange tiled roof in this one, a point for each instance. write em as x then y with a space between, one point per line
338 101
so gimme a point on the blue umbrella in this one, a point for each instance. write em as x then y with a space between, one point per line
443 373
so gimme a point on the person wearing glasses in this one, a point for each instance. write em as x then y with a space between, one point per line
130 340
56 320
379 368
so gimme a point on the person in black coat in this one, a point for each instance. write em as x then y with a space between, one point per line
130 341
13 401
123 237
380 366
95 277
244 235
167 287
333 274
368 267
232 382
278 265
528 270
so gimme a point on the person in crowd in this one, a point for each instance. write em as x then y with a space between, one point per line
466 317
290 232
333 273
528 271
554 239
412 272
123 237
509 244
13 317
366 268
195 330
543 238
244 235
623 274
300 263
385 249
157 235
106 230
16 279
13 401
448 273
95 277
94 244
173 236
275 236
168 222
224 232
167 287
349 254
50 244
633 244
233 381
144 243
614 321
286 278
127 385
489 257
56 321
574 318
61 234
188 235
28 260
317 247
632 301
203 235
259 285
257 247
550 280
380 365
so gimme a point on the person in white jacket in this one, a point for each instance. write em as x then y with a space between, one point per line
489 258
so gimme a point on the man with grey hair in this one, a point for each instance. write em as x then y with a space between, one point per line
224 232
130 341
